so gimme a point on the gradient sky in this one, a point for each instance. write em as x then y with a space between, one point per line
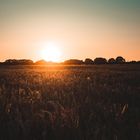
82 28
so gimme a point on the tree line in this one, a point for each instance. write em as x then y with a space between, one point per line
87 61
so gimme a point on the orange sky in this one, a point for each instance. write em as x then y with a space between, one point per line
78 30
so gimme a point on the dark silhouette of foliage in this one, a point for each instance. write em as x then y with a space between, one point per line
41 62
18 62
100 60
111 61
132 62
89 61
73 62
120 60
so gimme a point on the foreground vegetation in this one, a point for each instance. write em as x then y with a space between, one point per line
70 102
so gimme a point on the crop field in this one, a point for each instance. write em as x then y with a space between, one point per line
99 102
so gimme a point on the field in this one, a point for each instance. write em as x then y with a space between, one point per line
70 102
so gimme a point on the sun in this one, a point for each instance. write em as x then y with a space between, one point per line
51 52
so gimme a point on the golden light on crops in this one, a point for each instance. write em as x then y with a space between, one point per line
51 52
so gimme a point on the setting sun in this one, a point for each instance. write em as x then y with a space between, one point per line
51 52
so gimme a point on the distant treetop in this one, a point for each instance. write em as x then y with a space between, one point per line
87 61
120 60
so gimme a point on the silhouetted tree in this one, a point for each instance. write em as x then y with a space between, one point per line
111 61
89 61
41 62
132 62
73 62
100 60
18 62
120 60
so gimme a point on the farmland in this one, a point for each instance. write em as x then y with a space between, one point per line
99 102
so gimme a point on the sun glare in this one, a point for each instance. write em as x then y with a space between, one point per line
51 52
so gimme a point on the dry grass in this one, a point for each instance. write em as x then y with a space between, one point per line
70 102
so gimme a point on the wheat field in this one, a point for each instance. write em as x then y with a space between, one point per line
99 102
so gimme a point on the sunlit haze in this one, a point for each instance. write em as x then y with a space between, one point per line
56 30
51 52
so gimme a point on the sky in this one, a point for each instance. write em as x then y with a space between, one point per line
78 28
